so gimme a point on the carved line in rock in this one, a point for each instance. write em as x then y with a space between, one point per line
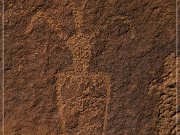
54 25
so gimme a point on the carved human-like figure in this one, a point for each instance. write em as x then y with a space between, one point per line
82 97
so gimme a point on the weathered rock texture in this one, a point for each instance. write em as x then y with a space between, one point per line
166 87
90 67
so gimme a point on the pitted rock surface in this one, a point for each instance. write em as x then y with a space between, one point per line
95 67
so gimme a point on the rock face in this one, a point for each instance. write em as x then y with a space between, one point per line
166 87
90 67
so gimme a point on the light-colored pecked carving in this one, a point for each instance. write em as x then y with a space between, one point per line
168 115
83 97
42 16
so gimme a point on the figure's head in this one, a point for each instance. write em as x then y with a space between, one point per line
80 47
79 44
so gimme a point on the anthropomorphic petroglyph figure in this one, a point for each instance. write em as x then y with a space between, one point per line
82 97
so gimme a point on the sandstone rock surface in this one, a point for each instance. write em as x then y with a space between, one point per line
90 67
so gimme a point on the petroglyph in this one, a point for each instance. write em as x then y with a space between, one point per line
83 97
167 104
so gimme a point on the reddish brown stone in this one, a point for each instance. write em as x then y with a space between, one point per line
125 41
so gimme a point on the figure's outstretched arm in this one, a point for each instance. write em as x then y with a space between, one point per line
42 16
